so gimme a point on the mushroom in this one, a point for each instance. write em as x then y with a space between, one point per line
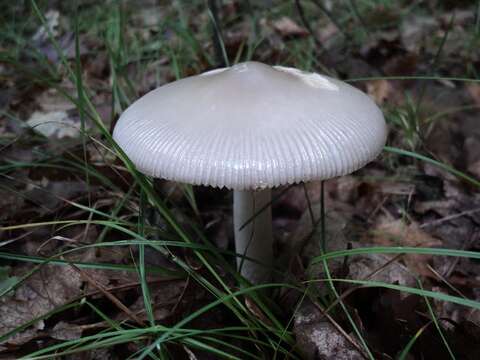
252 127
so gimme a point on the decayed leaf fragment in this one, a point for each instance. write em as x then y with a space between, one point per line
398 233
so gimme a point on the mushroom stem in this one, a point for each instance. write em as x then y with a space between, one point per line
255 239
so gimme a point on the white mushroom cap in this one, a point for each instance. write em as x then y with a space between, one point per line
252 126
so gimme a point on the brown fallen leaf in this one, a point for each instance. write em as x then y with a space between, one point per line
48 288
51 100
256 311
286 27
416 30
379 90
327 33
398 233
474 91
441 207
65 331
475 168
395 188
165 297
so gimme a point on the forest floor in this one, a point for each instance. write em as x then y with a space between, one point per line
99 262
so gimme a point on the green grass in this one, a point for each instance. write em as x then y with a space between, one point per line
122 225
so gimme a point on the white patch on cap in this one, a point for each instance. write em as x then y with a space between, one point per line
213 72
312 79
242 67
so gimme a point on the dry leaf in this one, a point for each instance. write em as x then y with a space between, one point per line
474 91
288 28
327 32
55 124
475 168
50 27
66 331
398 233
255 310
317 338
51 100
441 207
165 298
379 90
396 188
48 288
415 30
374 267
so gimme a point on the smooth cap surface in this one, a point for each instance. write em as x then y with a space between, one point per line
251 126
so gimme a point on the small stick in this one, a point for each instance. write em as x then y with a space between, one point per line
109 295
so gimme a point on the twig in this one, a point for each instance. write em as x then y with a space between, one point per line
455 261
184 290
445 281
109 295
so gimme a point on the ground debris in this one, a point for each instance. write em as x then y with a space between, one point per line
55 124
398 233
47 289
317 338
379 90
288 28
340 235
65 331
